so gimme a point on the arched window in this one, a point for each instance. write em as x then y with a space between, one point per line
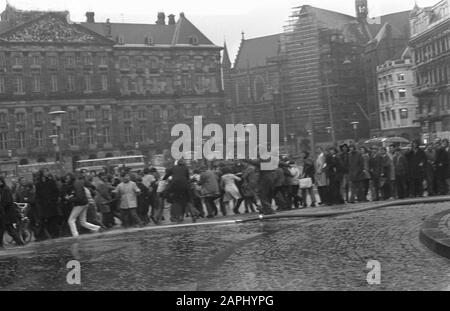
23 162
92 156
259 88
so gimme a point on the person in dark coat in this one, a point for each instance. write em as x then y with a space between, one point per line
334 170
47 196
416 167
356 175
375 169
442 166
401 168
143 201
179 190
8 214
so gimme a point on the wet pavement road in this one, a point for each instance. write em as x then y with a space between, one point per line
297 254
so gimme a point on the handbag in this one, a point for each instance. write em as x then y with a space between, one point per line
305 183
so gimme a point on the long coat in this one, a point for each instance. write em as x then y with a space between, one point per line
47 195
209 184
321 174
355 166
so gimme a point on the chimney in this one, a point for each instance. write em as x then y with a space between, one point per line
161 18
172 19
90 17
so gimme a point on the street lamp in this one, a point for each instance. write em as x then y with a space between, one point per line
355 128
57 137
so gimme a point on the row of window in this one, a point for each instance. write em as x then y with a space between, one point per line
53 60
389 97
438 74
140 85
433 105
75 137
389 118
436 48
157 114
400 77
36 80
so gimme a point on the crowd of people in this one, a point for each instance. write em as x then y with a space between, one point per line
91 202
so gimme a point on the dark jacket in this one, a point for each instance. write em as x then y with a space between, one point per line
47 195
400 165
344 159
333 168
8 211
417 161
356 166
309 171
442 160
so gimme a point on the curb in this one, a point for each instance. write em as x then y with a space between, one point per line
433 237
358 210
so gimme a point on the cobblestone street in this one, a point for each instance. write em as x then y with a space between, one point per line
299 254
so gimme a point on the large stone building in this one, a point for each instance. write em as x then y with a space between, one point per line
318 78
430 42
397 104
122 85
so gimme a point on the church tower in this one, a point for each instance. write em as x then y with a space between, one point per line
362 11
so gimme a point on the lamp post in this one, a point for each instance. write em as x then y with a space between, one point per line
57 137
355 128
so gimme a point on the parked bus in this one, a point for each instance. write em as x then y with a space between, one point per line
134 163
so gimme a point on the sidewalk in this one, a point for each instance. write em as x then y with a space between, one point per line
318 212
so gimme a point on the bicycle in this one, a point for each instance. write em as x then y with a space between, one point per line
22 226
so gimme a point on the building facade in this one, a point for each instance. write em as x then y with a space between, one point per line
319 75
397 104
430 43
123 86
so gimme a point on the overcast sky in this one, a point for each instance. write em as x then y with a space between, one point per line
218 19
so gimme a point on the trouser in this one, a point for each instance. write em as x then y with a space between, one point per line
345 184
416 187
198 205
323 194
108 219
142 211
366 186
334 192
81 213
441 183
211 206
287 195
157 209
386 190
295 197
130 217
266 195
93 217
280 200
356 189
49 227
309 191
431 189
400 181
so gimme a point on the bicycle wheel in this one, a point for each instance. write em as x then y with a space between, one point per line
7 239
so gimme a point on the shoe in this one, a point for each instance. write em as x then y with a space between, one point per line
313 205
